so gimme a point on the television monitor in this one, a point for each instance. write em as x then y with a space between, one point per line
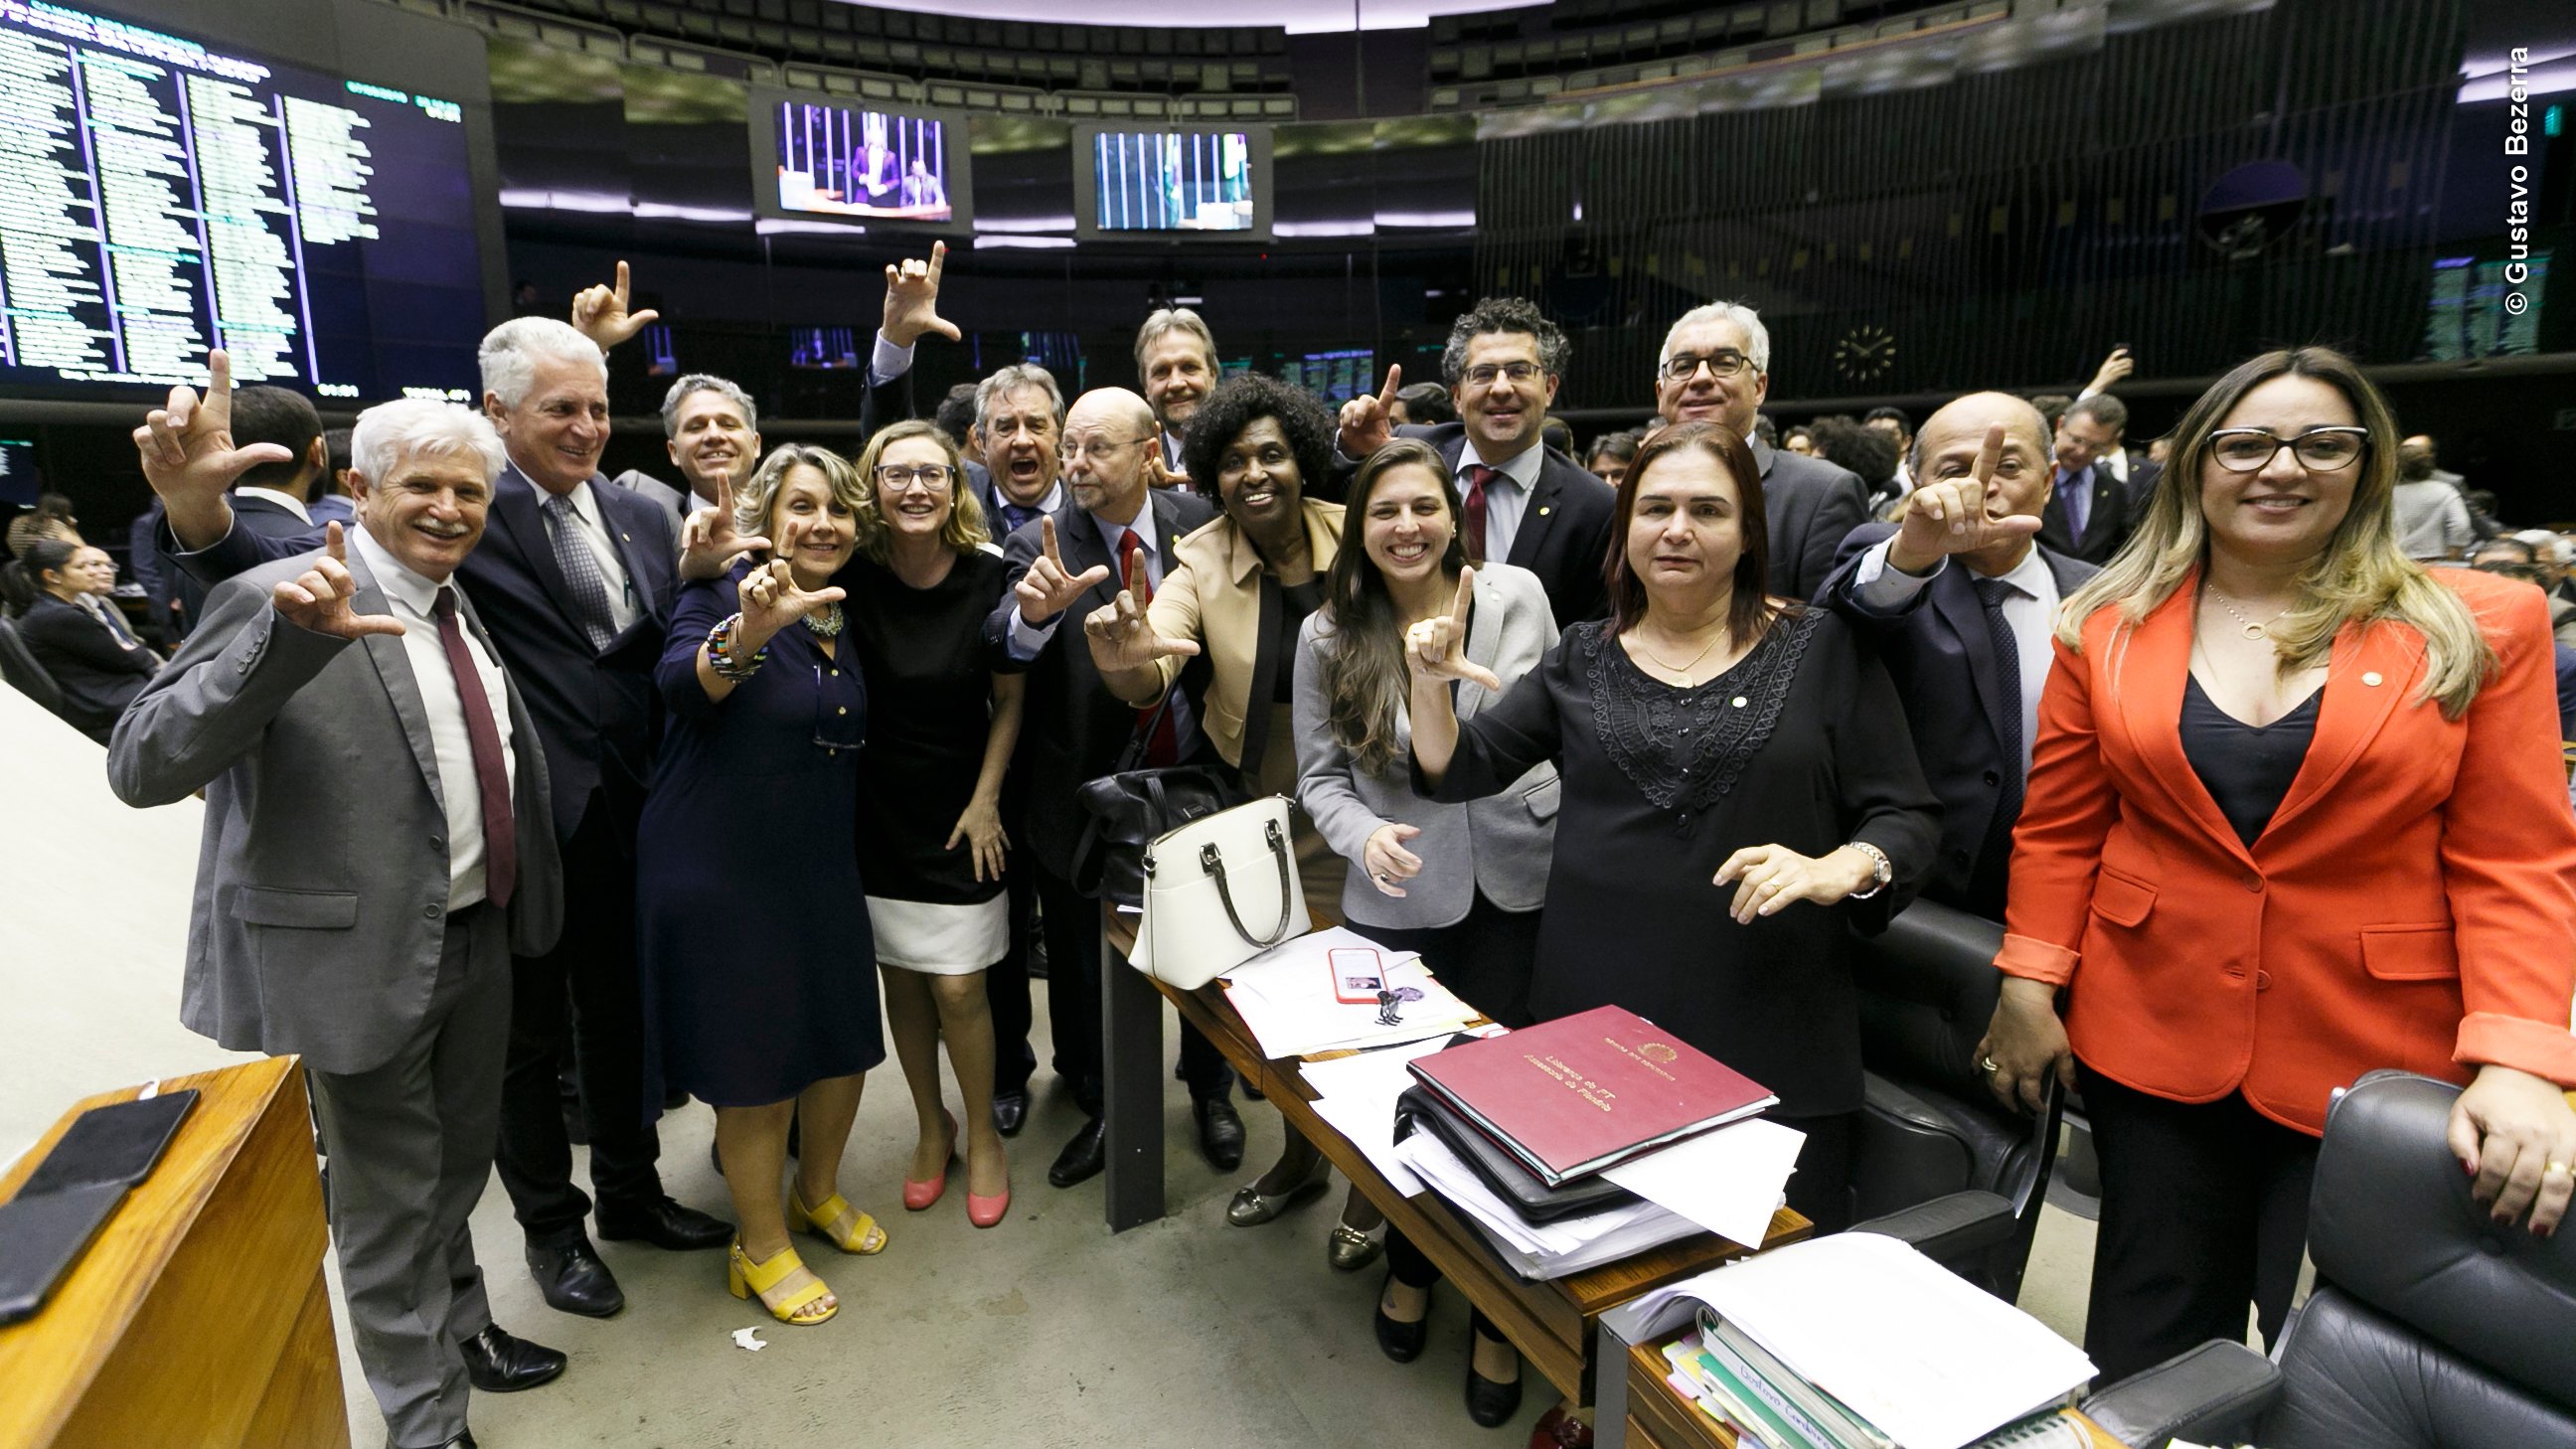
816 156
1174 180
169 194
1336 377
19 481
823 347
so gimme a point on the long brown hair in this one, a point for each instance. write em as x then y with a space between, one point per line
1751 606
1365 678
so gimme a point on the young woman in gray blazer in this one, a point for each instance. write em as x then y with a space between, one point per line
1461 884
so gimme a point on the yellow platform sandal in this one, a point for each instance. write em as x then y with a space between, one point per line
837 1223
787 1288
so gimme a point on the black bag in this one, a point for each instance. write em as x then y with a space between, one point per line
1130 808
1421 1110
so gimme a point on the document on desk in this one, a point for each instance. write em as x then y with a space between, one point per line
1357 1096
1931 1360
1728 1181
1285 997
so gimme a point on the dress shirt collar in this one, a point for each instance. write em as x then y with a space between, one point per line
1111 533
2030 577
2081 477
1054 499
413 591
287 501
1522 467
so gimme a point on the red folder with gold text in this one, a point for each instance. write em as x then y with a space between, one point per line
1572 1096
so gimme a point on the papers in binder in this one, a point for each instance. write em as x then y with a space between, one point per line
1356 1094
1539 1250
1728 1181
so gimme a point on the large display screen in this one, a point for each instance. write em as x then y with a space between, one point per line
163 197
1203 180
833 160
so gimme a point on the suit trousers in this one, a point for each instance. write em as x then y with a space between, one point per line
411 1147
1072 922
2204 1210
1006 982
591 973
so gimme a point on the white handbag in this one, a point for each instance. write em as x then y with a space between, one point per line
1219 891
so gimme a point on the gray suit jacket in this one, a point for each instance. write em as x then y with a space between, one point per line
321 897
1500 844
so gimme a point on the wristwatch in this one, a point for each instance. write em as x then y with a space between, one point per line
1880 872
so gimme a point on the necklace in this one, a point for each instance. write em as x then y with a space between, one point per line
1681 672
827 624
2251 629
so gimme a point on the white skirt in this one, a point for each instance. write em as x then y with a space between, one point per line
940 940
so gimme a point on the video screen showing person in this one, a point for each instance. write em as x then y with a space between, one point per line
1172 181
836 161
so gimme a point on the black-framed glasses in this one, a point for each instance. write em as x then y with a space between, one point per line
1484 373
931 477
2251 450
1722 364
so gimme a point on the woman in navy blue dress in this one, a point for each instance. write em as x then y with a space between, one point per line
755 951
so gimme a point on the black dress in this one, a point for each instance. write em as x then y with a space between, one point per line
753 947
1802 744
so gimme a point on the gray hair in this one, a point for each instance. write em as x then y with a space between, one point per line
420 427
1505 315
511 351
1000 386
697 382
1174 319
1757 338
2102 408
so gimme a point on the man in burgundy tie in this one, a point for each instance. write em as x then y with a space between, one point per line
379 843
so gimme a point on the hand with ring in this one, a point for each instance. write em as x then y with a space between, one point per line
1386 860
2515 1134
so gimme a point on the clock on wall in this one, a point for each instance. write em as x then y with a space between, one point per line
1865 353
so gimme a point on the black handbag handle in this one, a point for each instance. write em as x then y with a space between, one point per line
1212 861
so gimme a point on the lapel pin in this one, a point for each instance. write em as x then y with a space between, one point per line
2371 678
628 537
1543 513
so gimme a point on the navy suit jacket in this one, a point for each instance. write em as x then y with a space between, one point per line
596 711
1564 536
1942 658
2106 523
1810 506
1072 727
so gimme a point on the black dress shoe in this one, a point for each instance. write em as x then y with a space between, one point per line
1396 1339
1083 1157
1010 1112
496 1363
574 1280
1220 1132
665 1224
1489 1403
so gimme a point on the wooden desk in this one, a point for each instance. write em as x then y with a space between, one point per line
1657 1418
200 1315
1551 1323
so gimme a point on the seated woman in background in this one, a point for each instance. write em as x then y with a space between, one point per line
71 625
758 993
2296 812
947 715
1460 884
1728 760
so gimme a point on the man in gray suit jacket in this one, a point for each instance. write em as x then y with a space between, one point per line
1716 368
365 918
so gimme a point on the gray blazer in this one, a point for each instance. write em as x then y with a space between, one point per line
1500 844
322 884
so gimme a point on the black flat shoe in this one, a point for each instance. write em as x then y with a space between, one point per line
574 1280
1490 1403
1083 1157
1220 1132
1010 1112
1396 1339
496 1363
665 1224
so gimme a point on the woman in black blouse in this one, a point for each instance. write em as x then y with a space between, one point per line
1709 737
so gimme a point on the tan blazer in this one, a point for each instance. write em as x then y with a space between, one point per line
1214 598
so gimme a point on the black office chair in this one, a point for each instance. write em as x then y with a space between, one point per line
1929 1127
2430 1327
23 673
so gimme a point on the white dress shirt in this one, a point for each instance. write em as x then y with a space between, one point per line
623 607
1026 639
2030 607
287 501
412 598
1506 497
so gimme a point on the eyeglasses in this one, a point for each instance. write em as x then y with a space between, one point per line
1682 366
1484 373
2251 450
1075 449
929 477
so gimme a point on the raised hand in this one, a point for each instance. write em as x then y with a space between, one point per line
912 299
1122 635
1436 648
318 598
600 313
771 600
709 541
1387 861
1955 516
1048 588
1367 422
2114 367
189 457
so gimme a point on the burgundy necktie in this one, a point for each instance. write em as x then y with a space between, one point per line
491 773
1164 746
1472 524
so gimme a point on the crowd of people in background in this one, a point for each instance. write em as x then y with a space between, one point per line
728 778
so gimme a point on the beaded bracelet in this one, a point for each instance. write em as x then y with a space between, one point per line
720 652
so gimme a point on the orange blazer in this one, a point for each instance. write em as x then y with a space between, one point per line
2412 903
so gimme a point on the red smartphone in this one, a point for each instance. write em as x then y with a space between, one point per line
1358 975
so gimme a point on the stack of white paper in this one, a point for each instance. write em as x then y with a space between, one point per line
1540 1250
1728 1181
1356 1094
1285 997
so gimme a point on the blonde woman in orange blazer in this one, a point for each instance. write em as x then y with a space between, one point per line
2295 813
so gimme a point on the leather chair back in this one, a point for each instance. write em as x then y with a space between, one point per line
19 668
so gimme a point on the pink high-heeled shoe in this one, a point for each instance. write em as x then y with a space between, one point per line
918 1196
984 1212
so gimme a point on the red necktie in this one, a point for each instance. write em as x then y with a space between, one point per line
1472 526
1164 746
491 775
